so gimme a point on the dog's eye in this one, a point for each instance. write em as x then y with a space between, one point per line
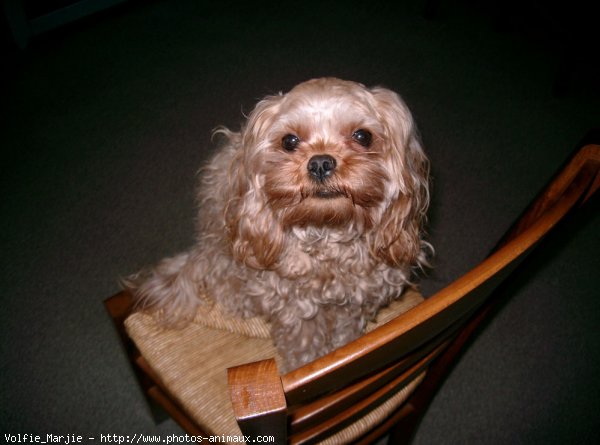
290 142
362 137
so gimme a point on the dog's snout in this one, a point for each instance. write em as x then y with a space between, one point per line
321 166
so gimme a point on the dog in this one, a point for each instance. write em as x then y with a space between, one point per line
312 217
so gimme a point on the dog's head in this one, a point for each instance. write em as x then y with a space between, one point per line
330 153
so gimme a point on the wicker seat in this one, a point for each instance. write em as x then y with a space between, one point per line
178 360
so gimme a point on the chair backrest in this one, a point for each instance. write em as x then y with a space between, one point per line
318 399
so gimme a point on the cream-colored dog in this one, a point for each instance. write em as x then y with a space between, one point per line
311 217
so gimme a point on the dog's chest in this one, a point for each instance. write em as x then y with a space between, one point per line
325 258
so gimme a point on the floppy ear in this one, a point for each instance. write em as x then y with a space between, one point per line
397 239
255 234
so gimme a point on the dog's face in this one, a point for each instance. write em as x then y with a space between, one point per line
332 153
326 159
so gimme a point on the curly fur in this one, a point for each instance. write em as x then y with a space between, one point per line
317 259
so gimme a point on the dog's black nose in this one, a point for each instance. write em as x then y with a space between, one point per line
321 166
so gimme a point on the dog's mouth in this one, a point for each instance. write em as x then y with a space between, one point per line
329 194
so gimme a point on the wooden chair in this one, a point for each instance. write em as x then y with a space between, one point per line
409 355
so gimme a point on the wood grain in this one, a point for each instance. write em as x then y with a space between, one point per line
258 400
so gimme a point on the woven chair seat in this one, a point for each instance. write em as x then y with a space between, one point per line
191 363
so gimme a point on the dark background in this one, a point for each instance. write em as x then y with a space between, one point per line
105 122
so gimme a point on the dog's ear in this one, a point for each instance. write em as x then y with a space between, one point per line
397 239
255 234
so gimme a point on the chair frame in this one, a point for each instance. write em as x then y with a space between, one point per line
322 397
